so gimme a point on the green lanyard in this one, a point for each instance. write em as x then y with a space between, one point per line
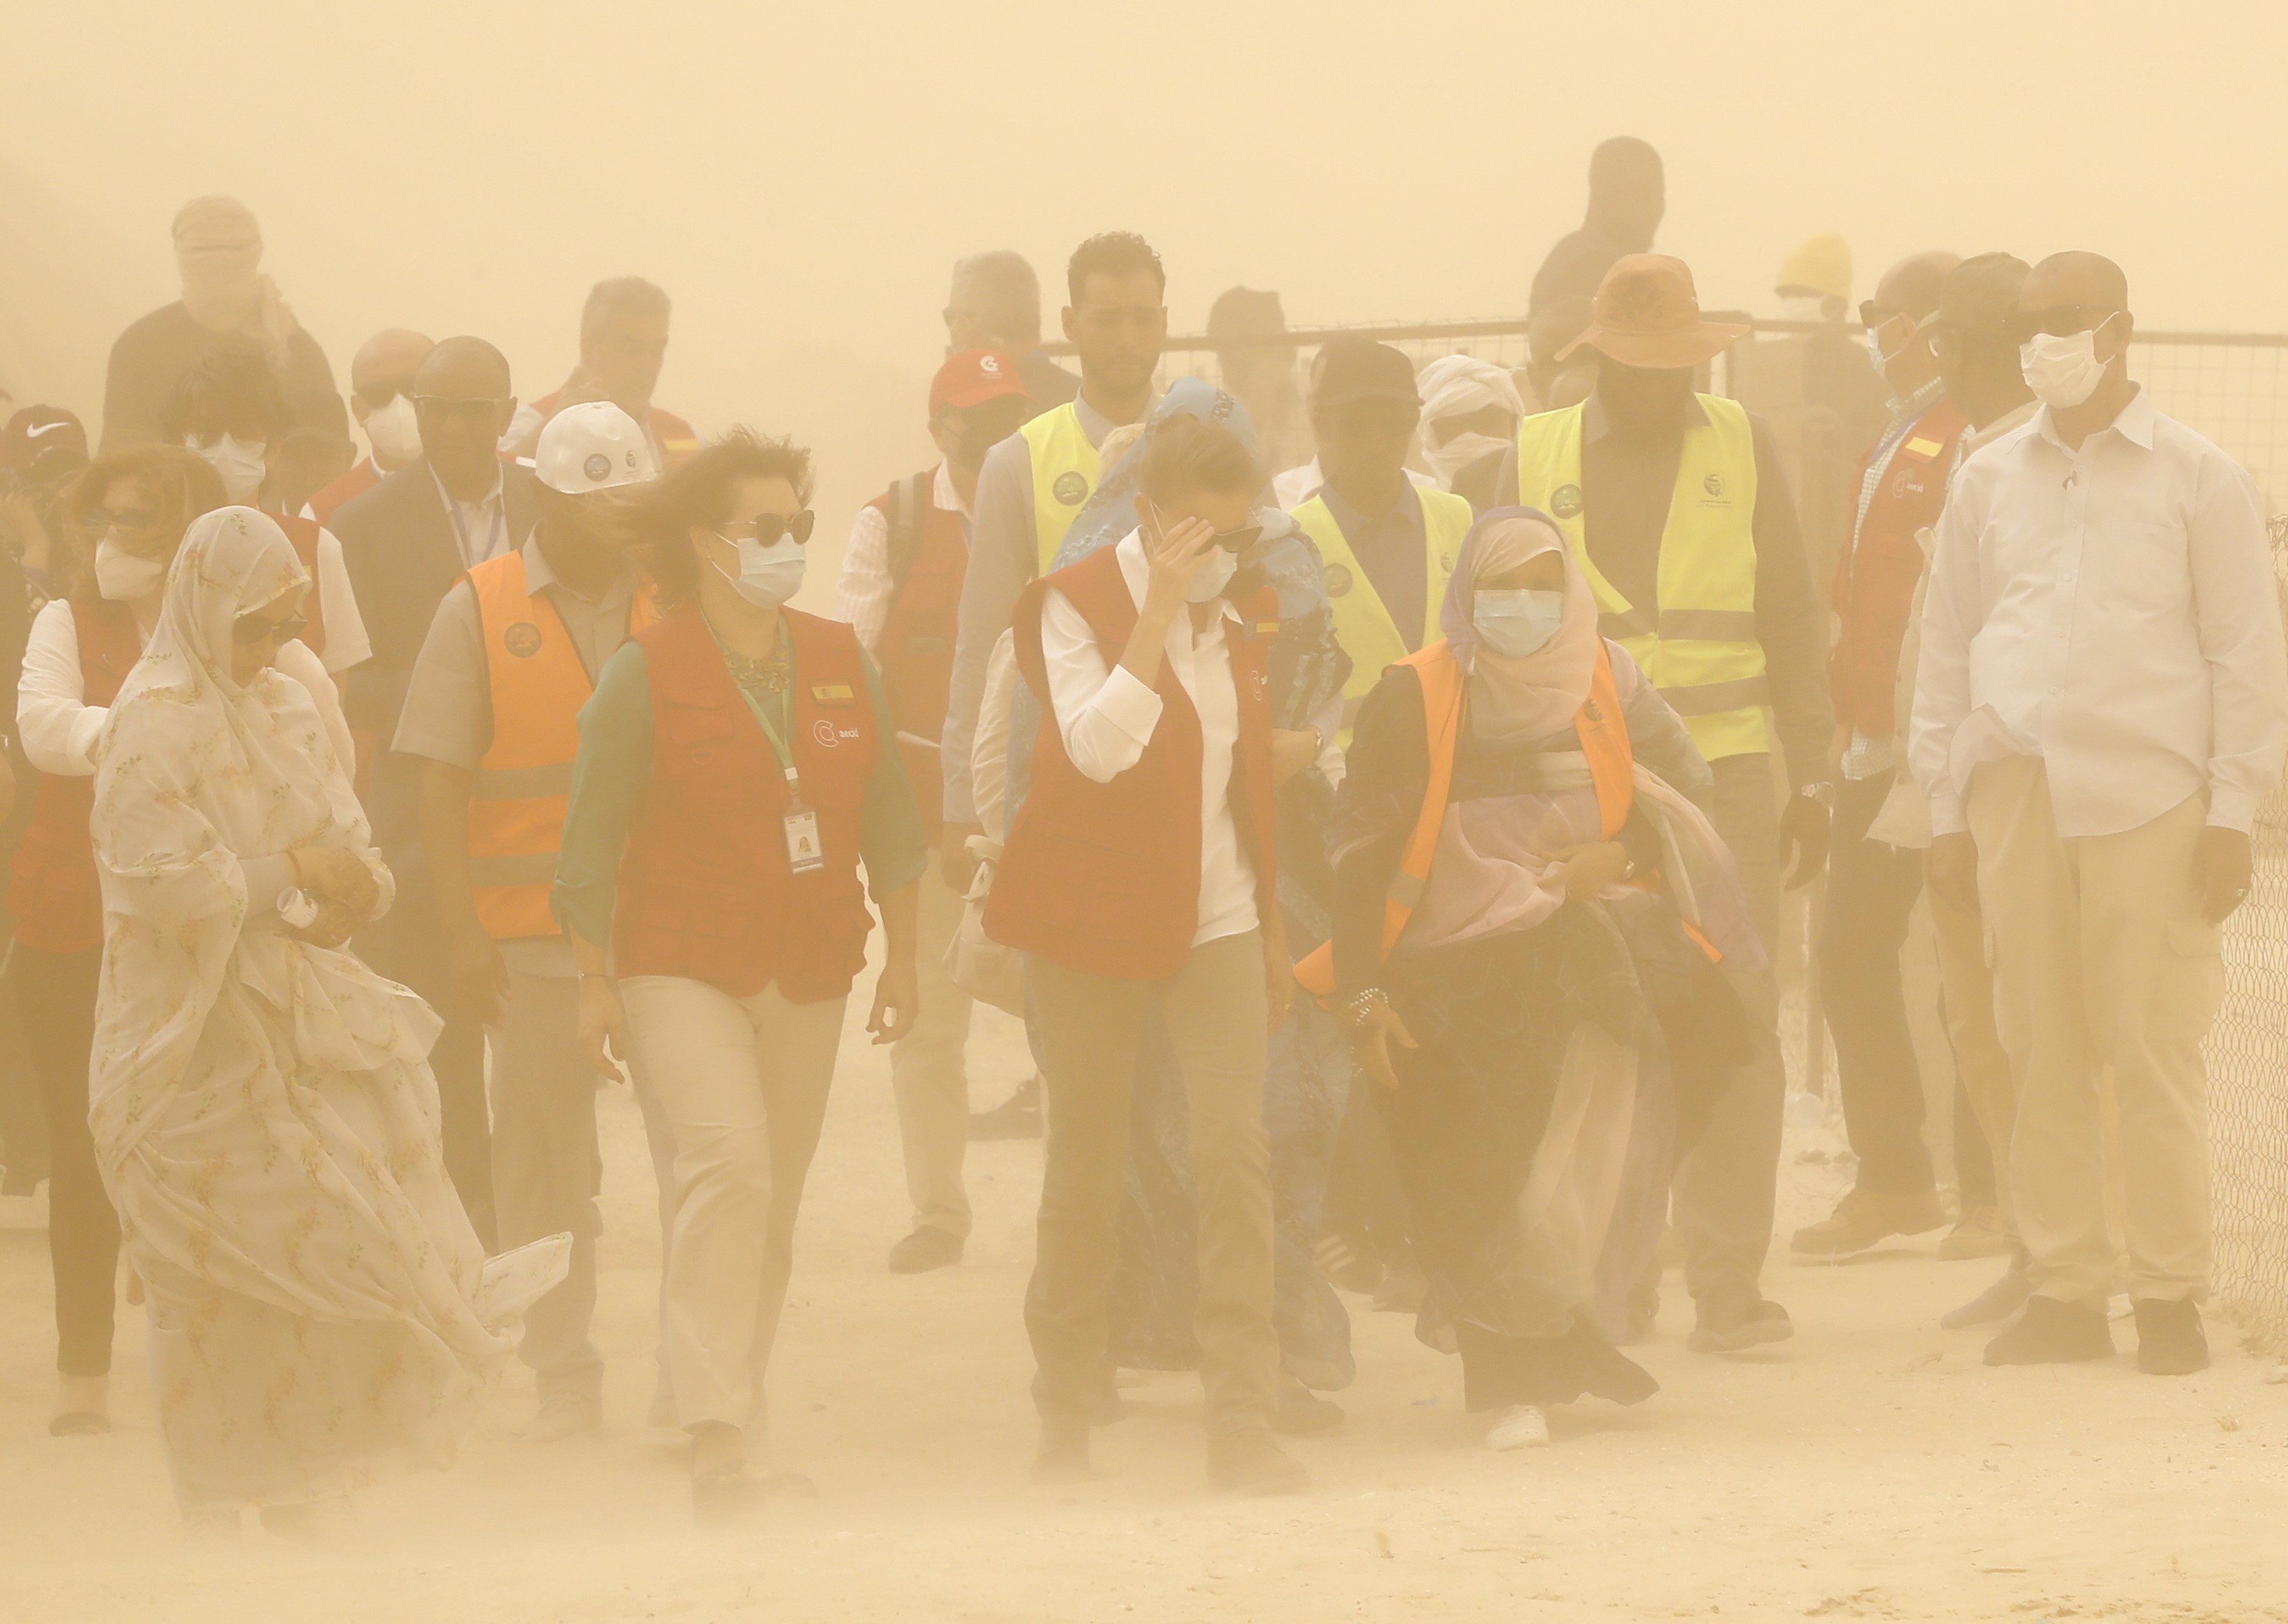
773 729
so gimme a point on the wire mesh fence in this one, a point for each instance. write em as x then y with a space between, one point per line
2233 387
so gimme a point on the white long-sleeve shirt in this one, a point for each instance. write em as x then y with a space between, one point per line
58 726
2113 611
1106 717
863 590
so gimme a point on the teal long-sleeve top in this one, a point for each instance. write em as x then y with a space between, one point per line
613 768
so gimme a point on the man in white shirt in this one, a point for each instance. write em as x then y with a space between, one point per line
2101 702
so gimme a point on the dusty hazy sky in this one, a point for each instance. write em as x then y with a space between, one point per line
800 178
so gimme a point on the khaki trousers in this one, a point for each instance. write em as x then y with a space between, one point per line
1960 937
743 1084
1091 1026
546 1167
2101 956
929 1072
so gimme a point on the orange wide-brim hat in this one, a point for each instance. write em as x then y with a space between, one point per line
1647 313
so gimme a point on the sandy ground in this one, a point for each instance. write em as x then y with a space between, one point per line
1872 1468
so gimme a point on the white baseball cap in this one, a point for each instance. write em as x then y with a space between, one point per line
593 446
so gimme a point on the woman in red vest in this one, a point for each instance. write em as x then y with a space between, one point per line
736 765
1510 794
130 511
1139 873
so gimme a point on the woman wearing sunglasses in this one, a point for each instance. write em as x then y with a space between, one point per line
737 768
261 1104
131 510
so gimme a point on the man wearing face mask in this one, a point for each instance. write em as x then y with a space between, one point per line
406 542
1872 885
901 589
1469 412
492 715
381 400
1676 505
1033 484
227 407
2092 773
1389 546
219 252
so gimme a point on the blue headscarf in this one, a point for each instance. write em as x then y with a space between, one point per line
1111 510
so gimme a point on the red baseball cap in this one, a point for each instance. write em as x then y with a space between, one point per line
971 377
36 431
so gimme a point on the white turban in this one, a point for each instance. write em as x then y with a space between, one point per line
1452 386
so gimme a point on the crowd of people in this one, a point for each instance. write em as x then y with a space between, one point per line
1376 795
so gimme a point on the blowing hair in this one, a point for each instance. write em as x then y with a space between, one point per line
1111 253
178 484
1184 455
697 496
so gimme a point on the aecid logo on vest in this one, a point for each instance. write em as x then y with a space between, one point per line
828 735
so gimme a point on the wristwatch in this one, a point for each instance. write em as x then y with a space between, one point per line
1822 792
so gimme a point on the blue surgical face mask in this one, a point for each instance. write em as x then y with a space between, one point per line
1517 622
768 576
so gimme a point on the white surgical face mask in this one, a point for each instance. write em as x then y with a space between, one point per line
1519 621
1458 453
121 576
768 576
239 462
1804 307
2062 372
1214 576
1876 358
394 431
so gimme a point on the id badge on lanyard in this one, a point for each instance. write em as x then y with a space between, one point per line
800 826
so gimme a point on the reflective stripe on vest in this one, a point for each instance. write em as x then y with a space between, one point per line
524 783
1064 473
1701 652
1363 623
1600 725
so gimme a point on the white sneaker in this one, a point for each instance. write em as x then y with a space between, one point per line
1521 1426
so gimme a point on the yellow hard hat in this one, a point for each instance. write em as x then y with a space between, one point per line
1820 265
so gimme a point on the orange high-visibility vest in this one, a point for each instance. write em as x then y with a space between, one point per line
1604 736
524 783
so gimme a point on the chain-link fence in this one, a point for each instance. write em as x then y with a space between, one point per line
2232 388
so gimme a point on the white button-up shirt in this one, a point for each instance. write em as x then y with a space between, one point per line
1106 717
2112 610
862 595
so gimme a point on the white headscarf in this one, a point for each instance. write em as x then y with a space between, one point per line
1453 386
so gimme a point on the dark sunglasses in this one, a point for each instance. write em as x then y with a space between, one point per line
2058 321
95 522
1231 541
379 394
768 528
248 630
447 406
1872 315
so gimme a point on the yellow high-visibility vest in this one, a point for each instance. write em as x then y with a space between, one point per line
1703 654
1362 622
1064 473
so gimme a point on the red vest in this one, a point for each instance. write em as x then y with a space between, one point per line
53 890
1105 877
1875 581
915 650
705 891
363 476
303 534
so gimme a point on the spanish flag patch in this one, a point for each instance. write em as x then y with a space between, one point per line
1924 448
833 693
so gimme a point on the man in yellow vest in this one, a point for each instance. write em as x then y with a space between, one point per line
1034 484
1676 505
1387 543
493 712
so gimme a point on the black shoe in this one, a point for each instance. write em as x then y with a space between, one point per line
924 1250
2051 1332
1997 1302
1735 1317
2170 1340
1018 1117
1303 1414
1063 1454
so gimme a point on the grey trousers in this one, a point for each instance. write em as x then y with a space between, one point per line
1725 1187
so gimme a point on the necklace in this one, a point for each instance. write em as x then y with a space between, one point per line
768 676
